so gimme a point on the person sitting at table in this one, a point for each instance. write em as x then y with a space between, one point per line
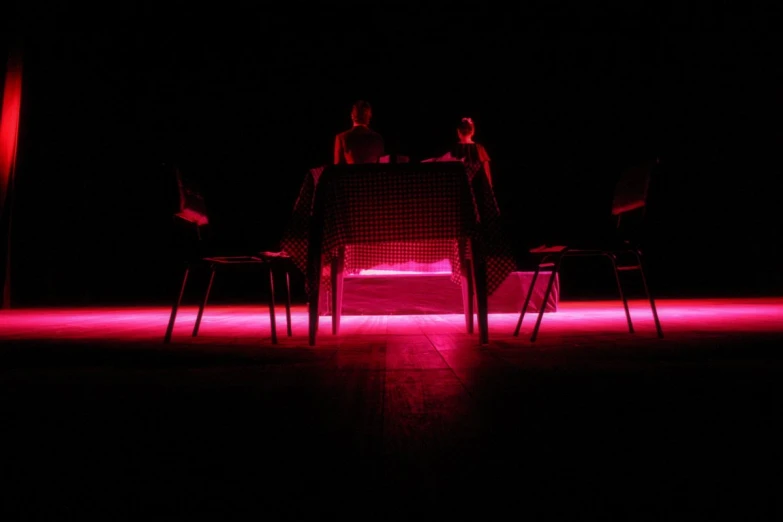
468 150
359 144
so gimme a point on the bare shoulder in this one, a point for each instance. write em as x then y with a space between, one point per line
482 152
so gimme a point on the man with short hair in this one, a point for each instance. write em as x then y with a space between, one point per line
359 144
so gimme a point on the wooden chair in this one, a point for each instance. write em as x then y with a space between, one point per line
628 208
203 251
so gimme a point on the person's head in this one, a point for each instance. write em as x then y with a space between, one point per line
361 112
465 130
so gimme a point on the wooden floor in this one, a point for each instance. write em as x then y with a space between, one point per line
395 416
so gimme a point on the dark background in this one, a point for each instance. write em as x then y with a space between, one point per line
246 99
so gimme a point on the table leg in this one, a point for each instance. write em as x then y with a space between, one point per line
468 296
314 283
480 287
338 265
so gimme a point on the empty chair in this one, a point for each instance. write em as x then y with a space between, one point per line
622 251
202 250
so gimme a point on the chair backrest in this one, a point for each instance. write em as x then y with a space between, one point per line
192 207
630 199
631 190
190 217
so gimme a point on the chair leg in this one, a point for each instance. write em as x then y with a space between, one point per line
613 259
175 308
555 270
272 321
288 303
649 295
527 301
204 302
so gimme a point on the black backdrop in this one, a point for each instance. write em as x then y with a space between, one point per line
247 100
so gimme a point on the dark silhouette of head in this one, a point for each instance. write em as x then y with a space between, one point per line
361 112
465 129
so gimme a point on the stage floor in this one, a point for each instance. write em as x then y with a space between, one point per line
588 322
395 417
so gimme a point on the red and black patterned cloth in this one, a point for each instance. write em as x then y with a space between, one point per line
387 214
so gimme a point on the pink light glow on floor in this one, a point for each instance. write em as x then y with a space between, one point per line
697 316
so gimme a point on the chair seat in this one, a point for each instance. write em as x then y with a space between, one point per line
264 257
584 248
233 252
234 260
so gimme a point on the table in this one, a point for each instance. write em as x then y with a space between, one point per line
350 217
